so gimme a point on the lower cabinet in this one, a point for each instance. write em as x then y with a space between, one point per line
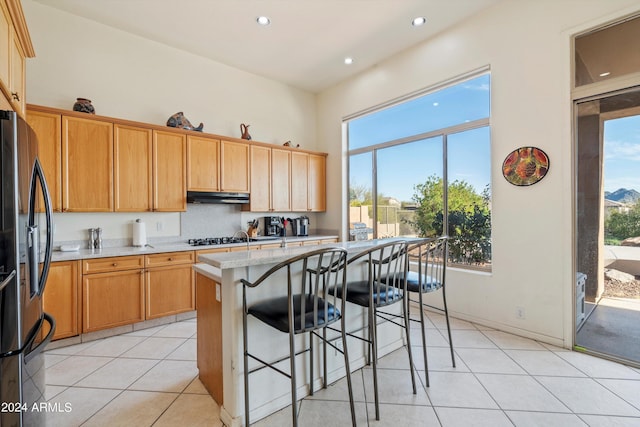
62 298
112 299
169 289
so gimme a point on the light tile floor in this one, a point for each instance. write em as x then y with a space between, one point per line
149 378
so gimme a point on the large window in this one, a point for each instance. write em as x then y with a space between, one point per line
400 156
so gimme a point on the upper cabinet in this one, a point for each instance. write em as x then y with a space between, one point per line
299 184
48 127
317 183
87 165
15 46
203 156
308 182
260 198
132 171
98 164
169 171
281 180
234 166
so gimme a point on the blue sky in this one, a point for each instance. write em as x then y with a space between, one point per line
622 153
402 167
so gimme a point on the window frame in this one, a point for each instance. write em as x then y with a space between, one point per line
442 133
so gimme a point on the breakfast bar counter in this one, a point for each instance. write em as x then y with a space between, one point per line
219 333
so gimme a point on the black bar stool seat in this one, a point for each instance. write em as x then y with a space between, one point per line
275 313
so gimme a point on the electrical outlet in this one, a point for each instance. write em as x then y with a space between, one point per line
159 226
337 343
520 313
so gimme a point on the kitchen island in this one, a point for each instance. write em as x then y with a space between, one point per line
220 351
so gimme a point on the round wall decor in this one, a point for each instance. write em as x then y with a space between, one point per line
525 166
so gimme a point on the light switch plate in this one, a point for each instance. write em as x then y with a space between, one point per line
218 292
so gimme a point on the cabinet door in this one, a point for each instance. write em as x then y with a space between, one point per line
17 79
299 181
87 165
132 169
260 179
48 128
170 290
203 155
112 299
5 47
280 180
234 166
316 194
61 298
169 171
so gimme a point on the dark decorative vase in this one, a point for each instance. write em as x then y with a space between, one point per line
244 129
84 106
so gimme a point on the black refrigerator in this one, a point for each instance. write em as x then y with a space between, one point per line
25 255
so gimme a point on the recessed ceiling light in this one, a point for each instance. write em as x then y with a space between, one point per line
435 104
348 60
263 20
420 20
605 74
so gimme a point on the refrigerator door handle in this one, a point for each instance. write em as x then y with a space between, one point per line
38 174
32 352
7 279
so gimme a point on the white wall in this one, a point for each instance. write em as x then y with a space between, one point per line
129 77
527 46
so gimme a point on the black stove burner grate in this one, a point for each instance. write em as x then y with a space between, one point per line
207 241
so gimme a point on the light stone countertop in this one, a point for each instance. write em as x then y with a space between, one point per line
227 260
178 246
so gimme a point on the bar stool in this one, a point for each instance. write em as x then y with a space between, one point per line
429 258
307 307
382 285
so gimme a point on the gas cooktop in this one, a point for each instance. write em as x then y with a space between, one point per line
216 241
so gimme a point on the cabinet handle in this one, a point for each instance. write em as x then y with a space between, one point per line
115 264
170 259
15 96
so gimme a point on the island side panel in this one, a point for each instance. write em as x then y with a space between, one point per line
209 333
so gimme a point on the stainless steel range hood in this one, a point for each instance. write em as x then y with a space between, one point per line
217 197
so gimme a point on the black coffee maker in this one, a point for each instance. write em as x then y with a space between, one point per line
272 225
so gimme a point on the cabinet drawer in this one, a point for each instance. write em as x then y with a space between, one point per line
104 265
169 258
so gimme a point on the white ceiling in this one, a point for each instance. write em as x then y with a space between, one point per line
304 46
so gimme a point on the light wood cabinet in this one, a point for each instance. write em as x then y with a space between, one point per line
48 128
169 290
317 183
308 182
17 78
299 181
169 171
169 284
203 155
61 298
132 170
234 166
87 165
260 197
270 180
280 180
209 334
6 37
113 298
15 47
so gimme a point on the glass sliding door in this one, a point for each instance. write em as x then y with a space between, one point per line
608 225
